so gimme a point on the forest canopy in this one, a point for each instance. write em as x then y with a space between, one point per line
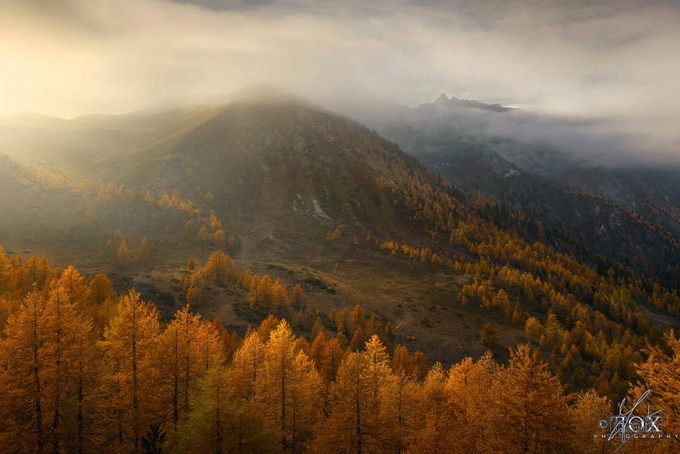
84 369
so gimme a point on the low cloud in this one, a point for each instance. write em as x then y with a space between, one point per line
614 61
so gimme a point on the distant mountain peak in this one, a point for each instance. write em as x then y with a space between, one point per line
443 99
454 102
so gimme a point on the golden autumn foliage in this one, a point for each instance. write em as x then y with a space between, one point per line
220 269
83 369
124 253
519 269
288 390
127 350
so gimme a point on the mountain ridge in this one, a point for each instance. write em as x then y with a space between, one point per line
315 197
453 102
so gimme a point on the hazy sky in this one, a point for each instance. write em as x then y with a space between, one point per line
617 60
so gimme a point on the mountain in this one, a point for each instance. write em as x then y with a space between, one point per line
270 170
314 199
26 205
594 221
76 147
651 191
453 103
626 214
279 177
275 170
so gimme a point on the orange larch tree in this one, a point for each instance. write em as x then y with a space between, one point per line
129 383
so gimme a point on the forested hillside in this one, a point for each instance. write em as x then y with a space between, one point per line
613 203
260 211
84 369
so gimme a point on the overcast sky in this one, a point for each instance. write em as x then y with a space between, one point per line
614 60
